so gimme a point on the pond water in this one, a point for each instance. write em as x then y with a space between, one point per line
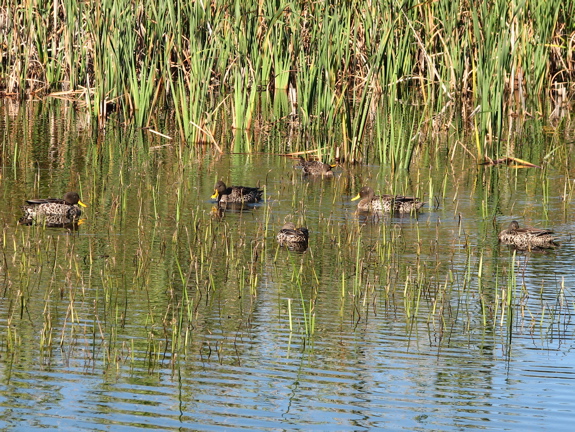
159 312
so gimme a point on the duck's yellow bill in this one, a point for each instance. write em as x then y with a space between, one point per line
82 204
356 197
215 195
333 166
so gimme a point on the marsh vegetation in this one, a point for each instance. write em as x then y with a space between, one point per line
163 299
395 74
155 283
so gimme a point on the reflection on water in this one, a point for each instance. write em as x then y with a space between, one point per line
163 311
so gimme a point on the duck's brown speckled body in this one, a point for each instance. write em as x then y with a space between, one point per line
316 168
386 203
67 208
236 194
292 237
528 238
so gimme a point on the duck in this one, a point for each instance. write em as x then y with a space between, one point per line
386 203
527 238
67 207
236 194
293 237
316 168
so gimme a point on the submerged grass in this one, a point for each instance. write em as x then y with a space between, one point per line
155 274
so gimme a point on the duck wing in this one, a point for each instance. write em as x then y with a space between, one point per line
38 201
540 232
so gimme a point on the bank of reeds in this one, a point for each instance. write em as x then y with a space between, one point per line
344 66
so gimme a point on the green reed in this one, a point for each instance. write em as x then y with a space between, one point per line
352 67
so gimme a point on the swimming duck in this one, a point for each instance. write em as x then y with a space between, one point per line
66 207
527 238
385 203
291 236
315 167
236 194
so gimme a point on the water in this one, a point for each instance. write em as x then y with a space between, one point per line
157 314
